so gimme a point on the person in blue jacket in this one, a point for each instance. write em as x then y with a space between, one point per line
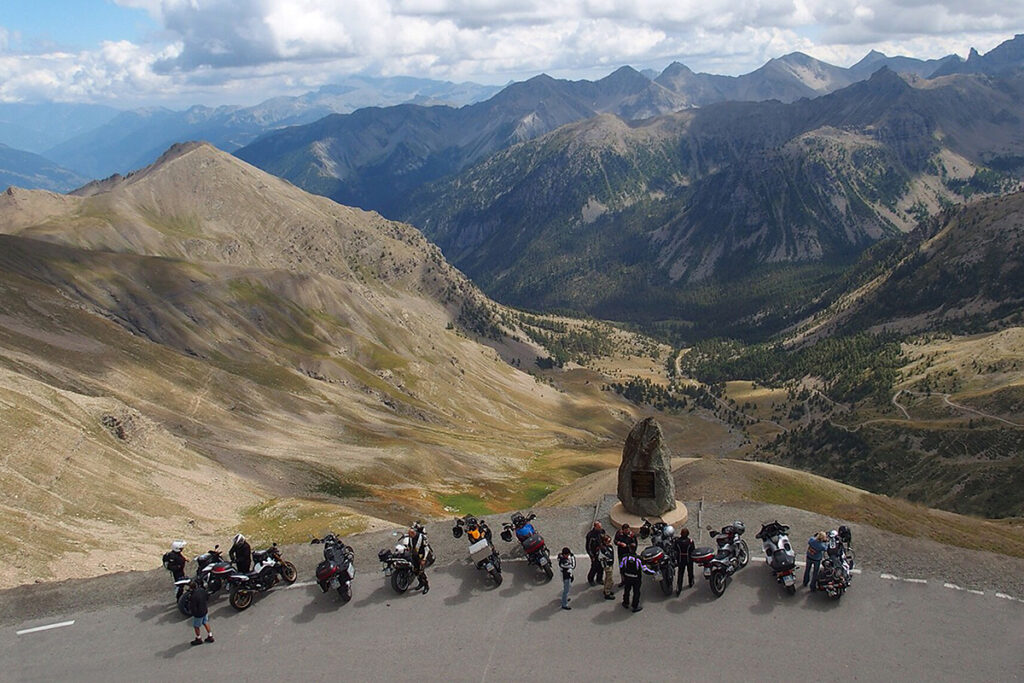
816 546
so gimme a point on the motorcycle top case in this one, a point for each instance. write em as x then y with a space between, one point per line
782 560
533 543
480 550
652 555
702 554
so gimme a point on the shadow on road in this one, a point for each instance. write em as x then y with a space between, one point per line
383 593
818 601
161 614
172 652
473 581
318 603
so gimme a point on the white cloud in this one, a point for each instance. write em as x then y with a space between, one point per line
245 49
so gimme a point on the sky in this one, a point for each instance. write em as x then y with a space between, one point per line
130 53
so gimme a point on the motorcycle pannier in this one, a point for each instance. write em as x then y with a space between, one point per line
702 554
533 543
480 550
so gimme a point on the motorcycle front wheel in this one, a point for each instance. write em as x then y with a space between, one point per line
717 583
400 580
744 554
288 572
240 599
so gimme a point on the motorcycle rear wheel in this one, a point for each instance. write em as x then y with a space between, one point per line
496 576
345 592
666 580
288 572
744 554
549 572
400 580
791 589
183 604
717 583
241 599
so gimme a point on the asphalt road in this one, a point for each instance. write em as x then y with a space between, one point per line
125 628
465 629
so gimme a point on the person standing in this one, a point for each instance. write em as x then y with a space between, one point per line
418 549
632 570
241 554
174 562
593 542
567 563
607 558
625 541
197 607
816 546
684 553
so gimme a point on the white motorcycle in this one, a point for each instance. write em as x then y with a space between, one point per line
778 554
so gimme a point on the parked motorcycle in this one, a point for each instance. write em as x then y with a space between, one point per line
481 550
660 557
338 568
268 568
731 556
398 563
835 574
532 542
778 553
212 573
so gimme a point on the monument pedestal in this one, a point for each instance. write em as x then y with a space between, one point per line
677 517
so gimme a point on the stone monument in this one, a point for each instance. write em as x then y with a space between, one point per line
646 488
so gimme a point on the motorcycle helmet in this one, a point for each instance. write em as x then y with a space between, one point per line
177 545
668 531
518 519
237 539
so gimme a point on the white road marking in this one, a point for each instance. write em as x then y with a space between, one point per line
301 584
45 628
961 588
900 578
1004 596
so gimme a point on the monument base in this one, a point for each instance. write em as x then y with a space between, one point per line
677 517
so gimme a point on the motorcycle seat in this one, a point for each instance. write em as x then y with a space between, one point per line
260 556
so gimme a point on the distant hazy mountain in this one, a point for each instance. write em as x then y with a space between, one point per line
375 156
1005 58
120 142
38 127
875 60
630 220
31 171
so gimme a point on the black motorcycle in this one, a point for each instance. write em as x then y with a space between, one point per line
481 551
398 562
212 573
531 541
835 574
338 568
268 568
660 557
731 556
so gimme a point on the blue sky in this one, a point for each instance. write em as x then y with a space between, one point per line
73 24
180 52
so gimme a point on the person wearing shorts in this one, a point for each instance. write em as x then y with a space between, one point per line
197 606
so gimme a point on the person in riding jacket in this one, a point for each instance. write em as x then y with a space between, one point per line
684 553
567 563
241 554
607 558
418 556
174 561
625 540
816 547
593 542
632 570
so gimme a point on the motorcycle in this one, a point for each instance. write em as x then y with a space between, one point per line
532 542
660 557
338 568
211 573
481 550
398 562
835 576
268 569
778 553
731 556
